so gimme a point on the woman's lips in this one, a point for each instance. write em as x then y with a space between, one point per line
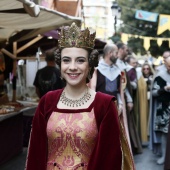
73 75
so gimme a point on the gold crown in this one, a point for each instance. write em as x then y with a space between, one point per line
73 36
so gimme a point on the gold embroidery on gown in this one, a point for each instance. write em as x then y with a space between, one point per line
71 139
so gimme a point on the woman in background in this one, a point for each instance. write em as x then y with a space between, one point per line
148 73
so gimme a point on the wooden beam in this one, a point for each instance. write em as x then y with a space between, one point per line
31 58
8 53
29 43
15 48
78 10
14 62
14 71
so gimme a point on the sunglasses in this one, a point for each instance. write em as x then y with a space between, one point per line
145 68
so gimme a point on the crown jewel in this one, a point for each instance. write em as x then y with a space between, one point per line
73 36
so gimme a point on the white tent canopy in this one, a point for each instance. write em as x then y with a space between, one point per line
14 19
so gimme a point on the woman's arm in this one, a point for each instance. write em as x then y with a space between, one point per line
107 153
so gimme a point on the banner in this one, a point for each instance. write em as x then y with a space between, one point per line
147 16
124 38
164 23
146 40
146 43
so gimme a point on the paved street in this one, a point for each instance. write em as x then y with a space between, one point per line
147 161
144 161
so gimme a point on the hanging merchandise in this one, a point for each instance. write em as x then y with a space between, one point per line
2 62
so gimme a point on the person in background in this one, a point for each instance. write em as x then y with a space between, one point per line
148 74
103 79
167 147
123 52
160 112
165 55
136 128
71 130
131 64
48 78
107 79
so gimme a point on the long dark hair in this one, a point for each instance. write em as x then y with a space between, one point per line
151 72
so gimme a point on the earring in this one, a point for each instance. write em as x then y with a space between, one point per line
89 76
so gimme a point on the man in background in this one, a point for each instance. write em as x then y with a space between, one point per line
165 55
135 116
160 112
106 77
122 54
48 78
131 63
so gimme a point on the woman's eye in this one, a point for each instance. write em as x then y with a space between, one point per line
65 60
81 61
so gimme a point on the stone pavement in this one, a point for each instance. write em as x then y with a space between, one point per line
147 161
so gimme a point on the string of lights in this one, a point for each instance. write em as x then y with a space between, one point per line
136 29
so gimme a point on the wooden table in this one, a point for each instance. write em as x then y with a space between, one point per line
12 129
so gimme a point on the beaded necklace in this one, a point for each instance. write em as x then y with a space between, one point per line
75 103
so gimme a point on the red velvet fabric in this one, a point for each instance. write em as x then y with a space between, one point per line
132 74
107 153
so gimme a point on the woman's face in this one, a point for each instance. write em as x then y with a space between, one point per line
74 65
146 70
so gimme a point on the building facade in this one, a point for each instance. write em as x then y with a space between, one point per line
97 15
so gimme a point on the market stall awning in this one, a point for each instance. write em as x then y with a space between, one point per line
17 25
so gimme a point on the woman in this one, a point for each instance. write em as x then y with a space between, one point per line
148 76
75 128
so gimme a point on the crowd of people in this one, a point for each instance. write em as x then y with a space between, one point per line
146 98
106 110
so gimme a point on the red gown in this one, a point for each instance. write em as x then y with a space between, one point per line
107 151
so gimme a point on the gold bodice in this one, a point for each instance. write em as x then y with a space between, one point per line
71 139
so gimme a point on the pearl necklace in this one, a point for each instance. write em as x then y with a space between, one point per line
75 103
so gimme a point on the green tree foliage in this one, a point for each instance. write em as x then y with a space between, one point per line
131 25
116 37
